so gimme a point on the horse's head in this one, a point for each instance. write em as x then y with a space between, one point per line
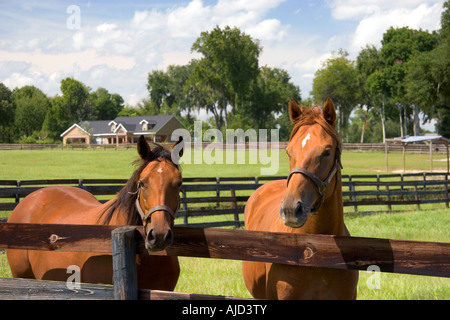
314 159
158 195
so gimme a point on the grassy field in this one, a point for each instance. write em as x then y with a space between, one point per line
104 164
208 276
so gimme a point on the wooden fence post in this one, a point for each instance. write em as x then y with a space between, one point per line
234 205
185 208
446 189
124 263
388 198
17 196
218 191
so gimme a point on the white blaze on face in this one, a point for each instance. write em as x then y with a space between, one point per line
160 170
308 137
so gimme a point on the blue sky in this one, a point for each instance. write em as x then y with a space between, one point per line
115 43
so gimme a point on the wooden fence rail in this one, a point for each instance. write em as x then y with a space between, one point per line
353 147
409 257
398 256
226 196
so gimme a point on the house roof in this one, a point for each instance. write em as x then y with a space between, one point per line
130 124
73 126
406 140
99 127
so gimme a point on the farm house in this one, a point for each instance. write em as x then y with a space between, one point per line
121 130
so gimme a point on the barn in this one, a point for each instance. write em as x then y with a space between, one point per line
122 130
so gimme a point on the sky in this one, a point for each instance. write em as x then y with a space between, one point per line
115 44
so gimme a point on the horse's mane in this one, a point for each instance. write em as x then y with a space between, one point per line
310 116
126 198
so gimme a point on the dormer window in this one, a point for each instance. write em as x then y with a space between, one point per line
144 125
112 126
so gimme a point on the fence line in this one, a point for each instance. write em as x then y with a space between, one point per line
328 251
227 196
409 257
355 147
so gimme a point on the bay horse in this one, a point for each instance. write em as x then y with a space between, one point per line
310 201
149 198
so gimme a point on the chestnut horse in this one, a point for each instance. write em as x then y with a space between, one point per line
153 189
310 201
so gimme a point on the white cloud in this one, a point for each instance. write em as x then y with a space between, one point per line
371 29
270 29
17 80
106 27
66 62
376 16
359 9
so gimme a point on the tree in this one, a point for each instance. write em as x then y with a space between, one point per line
157 85
106 106
367 63
337 79
72 107
268 98
399 45
7 110
376 85
31 108
428 78
226 71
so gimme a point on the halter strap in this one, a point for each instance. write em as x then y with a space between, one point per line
320 184
146 216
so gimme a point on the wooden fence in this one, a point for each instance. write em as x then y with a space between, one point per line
354 147
408 257
226 197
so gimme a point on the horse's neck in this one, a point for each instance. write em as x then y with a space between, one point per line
119 217
330 218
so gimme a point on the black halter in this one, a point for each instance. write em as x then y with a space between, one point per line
321 185
146 216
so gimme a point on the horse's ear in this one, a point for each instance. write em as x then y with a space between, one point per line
143 148
294 111
329 113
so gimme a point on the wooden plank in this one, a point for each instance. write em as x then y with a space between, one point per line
214 187
219 224
214 199
30 289
54 237
124 263
200 212
168 295
410 257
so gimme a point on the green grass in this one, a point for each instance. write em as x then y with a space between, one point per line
220 277
104 164
224 277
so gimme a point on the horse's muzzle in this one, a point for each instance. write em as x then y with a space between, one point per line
158 241
295 215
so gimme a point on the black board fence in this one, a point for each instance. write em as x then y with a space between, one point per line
226 196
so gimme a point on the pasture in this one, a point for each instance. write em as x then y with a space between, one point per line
223 277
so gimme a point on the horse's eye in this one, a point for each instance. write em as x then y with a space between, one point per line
326 153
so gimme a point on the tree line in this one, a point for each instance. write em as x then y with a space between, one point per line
382 93
29 116
378 95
